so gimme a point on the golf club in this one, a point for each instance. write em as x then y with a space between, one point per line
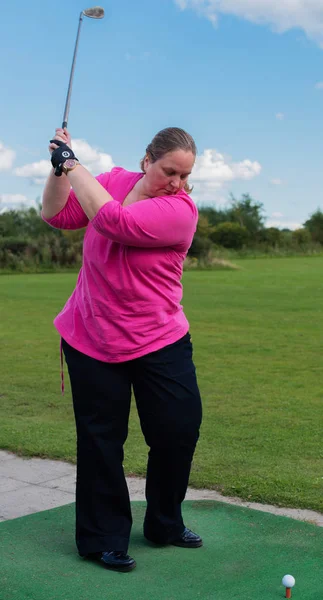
93 13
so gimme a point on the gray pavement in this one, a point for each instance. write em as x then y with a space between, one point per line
30 485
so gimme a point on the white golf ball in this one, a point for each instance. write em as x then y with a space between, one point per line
288 581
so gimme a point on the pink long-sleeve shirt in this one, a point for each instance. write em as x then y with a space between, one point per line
126 302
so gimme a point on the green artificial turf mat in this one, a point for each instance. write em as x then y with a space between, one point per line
245 555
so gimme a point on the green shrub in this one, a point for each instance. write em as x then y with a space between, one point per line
230 235
301 236
271 236
200 247
16 245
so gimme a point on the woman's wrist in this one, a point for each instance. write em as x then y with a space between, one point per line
61 155
69 165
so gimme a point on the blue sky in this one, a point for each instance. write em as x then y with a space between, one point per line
242 76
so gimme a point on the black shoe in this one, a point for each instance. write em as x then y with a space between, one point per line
114 559
188 539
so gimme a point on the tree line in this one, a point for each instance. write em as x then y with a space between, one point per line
241 227
28 244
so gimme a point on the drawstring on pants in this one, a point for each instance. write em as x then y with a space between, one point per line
62 368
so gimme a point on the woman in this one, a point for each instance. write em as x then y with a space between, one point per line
122 328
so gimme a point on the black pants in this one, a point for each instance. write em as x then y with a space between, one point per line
169 408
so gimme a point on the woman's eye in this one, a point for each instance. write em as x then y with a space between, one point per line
172 173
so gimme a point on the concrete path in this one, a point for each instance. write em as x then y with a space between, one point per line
31 485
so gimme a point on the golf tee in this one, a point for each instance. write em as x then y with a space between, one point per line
288 592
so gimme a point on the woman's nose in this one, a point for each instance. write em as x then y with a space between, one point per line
176 183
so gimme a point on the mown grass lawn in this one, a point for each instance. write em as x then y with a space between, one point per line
257 335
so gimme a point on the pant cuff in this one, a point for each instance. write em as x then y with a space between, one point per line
101 544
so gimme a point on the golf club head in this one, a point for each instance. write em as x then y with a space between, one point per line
94 13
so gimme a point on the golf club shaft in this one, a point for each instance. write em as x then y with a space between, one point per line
68 97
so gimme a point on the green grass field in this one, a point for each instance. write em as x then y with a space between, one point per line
257 335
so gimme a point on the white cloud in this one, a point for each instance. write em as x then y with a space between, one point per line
7 157
96 162
280 116
36 172
319 85
276 181
216 169
277 215
15 201
213 171
306 15
281 224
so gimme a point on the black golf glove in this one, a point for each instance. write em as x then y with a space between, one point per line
60 155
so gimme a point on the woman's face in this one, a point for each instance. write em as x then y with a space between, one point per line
168 174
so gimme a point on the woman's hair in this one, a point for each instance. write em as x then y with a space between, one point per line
169 140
